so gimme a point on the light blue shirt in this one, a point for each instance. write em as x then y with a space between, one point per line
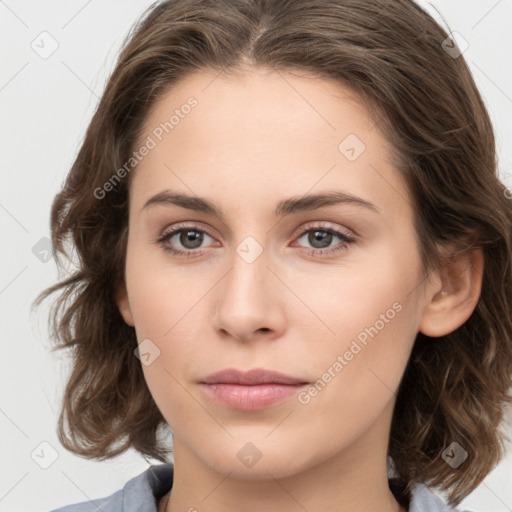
141 494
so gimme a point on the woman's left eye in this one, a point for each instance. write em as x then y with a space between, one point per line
191 238
322 237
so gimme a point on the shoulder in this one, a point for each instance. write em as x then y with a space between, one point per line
139 494
425 500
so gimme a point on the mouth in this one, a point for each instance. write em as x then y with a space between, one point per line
250 390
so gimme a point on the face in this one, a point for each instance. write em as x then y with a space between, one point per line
326 291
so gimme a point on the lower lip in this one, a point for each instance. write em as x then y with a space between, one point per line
249 398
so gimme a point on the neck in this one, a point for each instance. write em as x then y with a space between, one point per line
165 505
353 481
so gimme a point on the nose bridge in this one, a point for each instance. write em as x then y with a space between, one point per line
248 279
248 301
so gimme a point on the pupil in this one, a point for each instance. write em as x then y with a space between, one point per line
194 238
323 236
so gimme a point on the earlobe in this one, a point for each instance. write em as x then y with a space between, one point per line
123 304
453 301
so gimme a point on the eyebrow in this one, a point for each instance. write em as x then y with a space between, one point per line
283 208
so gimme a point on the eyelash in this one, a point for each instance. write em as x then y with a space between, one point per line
346 240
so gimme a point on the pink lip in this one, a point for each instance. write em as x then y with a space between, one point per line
251 390
250 377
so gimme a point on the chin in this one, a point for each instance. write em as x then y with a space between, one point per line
268 463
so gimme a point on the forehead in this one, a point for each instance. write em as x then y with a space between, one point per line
271 102
264 133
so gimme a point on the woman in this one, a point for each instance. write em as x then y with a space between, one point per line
294 258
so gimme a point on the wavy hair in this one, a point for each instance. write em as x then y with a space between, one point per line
394 55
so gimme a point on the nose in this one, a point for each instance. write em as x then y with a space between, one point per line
249 301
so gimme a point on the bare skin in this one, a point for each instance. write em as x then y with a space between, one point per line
252 141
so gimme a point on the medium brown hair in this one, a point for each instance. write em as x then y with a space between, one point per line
424 99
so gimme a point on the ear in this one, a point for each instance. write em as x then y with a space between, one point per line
123 305
452 300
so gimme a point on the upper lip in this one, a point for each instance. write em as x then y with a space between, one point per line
250 377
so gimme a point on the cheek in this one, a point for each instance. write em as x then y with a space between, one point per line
166 306
358 370
174 363
369 350
362 299
160 293
370 324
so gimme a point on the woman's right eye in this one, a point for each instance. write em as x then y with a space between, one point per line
189 237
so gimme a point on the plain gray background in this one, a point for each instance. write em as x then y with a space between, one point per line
46 102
